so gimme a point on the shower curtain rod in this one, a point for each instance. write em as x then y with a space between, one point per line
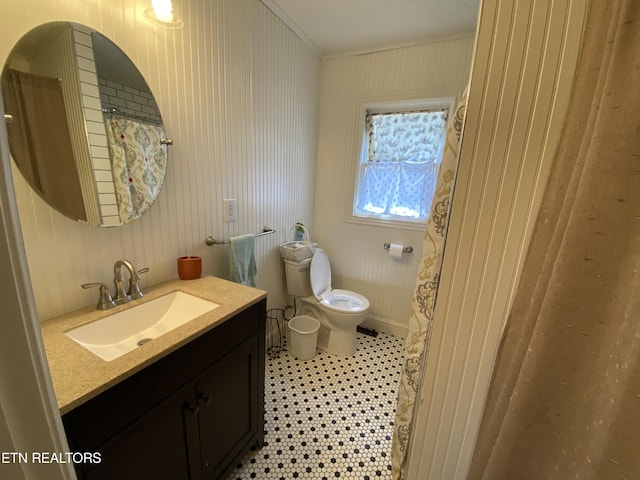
115 111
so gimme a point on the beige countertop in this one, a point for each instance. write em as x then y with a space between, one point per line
79 375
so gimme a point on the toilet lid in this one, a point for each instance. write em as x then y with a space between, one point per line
320 274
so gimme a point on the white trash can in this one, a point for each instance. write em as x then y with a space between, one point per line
304 337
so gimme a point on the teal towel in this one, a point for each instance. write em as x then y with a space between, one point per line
242 260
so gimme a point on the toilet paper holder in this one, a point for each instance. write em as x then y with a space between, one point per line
405 249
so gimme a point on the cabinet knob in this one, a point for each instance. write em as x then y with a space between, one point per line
204 397
194 409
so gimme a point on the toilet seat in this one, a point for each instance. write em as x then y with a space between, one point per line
344 301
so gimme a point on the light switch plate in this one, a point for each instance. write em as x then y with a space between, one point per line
230 210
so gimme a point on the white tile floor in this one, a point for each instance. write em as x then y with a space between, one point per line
329 417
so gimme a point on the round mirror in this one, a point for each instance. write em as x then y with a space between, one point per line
84 129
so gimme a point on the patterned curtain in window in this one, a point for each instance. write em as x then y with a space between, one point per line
406 137
404 153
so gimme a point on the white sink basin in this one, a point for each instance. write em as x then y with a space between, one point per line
117 334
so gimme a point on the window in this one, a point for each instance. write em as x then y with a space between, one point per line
399 164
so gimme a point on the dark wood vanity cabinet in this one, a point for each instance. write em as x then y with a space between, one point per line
191 415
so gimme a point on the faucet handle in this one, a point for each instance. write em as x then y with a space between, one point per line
134 289
105 302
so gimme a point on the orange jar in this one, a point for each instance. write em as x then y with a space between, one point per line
189 268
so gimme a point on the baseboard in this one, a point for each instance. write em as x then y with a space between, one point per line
385 325
373 322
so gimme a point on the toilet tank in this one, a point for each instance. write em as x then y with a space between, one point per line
297 275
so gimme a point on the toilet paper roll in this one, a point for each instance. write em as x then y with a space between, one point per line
395 250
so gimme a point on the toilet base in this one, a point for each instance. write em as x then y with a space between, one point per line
343 343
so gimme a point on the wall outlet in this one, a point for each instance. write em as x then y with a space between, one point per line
230 210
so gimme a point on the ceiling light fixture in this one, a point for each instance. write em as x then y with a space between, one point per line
163 14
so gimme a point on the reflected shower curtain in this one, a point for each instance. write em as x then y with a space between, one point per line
425 293
39 139
564 400
138 161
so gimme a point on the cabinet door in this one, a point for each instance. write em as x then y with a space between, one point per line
154 446
229 402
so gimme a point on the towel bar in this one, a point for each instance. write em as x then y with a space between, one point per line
212 241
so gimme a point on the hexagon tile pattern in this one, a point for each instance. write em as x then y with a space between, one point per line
329 417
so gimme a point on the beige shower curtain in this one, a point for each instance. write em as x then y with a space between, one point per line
425 292
39 139
564 401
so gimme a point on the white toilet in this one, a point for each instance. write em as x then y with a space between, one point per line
338 311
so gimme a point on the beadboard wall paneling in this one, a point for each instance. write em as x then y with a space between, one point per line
358 260
521 83
282 137
238 92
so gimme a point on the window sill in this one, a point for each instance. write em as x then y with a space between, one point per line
391 222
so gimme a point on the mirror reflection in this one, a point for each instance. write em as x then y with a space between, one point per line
85 130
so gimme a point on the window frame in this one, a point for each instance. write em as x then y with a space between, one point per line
360 155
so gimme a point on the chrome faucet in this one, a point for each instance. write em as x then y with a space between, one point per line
105 302
134 288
